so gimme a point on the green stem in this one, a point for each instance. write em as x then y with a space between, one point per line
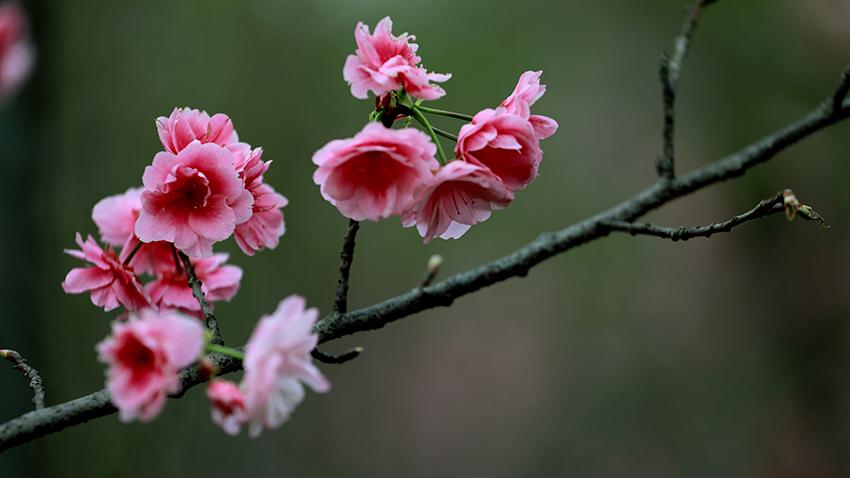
450 114
445 134
230 352
418 116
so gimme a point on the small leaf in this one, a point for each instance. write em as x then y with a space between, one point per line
811 215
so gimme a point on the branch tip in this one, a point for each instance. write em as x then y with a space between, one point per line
351 354
841 90
431 271
36 383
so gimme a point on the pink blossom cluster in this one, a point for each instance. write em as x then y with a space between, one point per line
146 352
16 52
383 172
207 186
277 362
384 62
204 187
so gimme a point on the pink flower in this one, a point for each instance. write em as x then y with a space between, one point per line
528 90
193 199
16 52
144 354
219 282
111 282
460 195
115 217
228 405
186 125
503 142
376 173
384 62
277 360
264 228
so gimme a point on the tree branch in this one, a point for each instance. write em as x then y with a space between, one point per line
36 384
95 405
51 419
764 208
198 292
58 417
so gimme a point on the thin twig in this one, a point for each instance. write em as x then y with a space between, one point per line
683 41
764 208
198 292
351 354
670 72
36 384
666 163
842 89
346 257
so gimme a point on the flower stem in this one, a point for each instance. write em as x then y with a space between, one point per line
133 252
230 352
450 114
418 116
445 134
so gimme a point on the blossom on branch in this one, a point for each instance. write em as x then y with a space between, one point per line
503 142
264 228
145 354
384 62
527 91
228 405
110 282
115 217
459 196
377 173
219 282
185 125
277 361
193 199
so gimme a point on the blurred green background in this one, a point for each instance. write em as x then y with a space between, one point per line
627 357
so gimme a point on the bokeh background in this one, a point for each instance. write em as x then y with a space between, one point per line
626 357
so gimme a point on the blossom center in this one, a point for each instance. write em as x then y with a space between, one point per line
190 185
136 356
375 171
